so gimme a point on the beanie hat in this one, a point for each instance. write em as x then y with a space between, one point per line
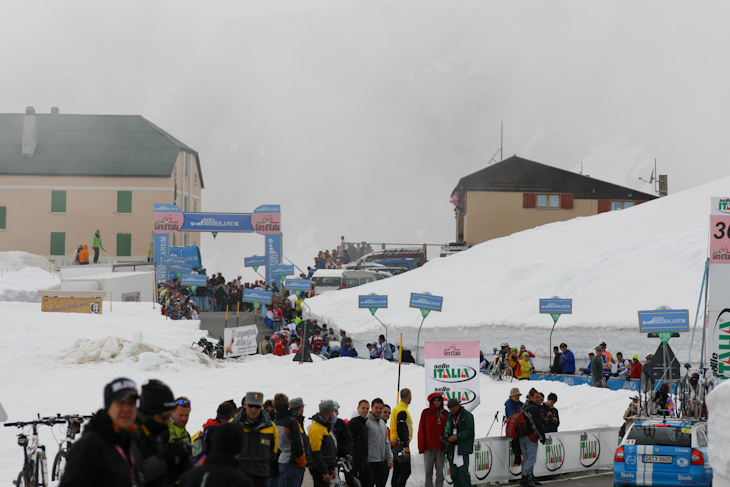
118 390
228 438
156 398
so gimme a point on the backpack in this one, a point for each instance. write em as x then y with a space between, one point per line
516 425
198 444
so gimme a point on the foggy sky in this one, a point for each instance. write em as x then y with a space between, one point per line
360 117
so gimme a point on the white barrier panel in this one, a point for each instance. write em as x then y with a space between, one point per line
240 341
570 451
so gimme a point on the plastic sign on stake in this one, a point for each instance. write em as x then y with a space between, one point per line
373 310
555 317
255 268
664 336
425 312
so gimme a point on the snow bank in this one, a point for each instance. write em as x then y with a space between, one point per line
611 265
23 284
718 427
15 261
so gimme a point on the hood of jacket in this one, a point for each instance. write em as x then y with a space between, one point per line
431 397
321 420
86 247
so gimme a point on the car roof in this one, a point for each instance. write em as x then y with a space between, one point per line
682 423
328 273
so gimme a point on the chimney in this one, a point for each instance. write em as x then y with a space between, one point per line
29 132
54 111
663 185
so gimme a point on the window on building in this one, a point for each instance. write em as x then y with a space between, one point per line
124 244
196 178
185 238
195 205
58 243
58 203
3 217
187 165
620 205
185 203
548 201
124 202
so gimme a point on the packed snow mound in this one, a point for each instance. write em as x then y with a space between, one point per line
16 260
23 284
718 425
612 265
148 357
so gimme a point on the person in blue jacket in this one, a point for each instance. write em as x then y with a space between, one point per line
587 370
567 360
347 349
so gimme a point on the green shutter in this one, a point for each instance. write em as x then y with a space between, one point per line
58 203
3 217
58 241
187 165
124 202
124 244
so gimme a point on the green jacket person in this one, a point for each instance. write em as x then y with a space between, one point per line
460 442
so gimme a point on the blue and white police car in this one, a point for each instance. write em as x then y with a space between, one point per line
665 452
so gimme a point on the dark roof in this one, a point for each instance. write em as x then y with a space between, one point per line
515 174
90 145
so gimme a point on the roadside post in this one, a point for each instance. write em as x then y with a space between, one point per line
664 323
426 302
555 307
374 302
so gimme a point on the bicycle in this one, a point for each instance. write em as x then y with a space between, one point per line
498 368
35 467
73 428
344 470
210 349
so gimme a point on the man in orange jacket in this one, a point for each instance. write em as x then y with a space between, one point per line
84 255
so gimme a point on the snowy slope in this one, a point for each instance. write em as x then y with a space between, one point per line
59 363
611 265
23 274
718 424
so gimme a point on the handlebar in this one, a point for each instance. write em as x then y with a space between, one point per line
46 421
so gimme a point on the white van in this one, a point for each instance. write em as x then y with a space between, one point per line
332 279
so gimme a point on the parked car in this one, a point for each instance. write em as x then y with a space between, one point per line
664 452
417 254
332 279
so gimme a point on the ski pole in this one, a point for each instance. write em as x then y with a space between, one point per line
495 420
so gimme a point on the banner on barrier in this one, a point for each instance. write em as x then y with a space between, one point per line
239 341
298 284
452 369
571 451
257 296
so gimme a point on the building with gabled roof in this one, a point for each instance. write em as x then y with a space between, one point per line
518 194
62 177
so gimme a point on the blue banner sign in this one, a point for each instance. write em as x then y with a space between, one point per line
298 284
273 255
257 296
373 301
217 222
174 260
664 320
254 261
162 249
174 267
557 306
282 270
426 301
194 280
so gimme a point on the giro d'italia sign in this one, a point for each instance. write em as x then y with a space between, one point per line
452 370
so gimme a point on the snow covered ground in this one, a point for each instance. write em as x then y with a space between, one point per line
612 265
22 274
59 363
717 427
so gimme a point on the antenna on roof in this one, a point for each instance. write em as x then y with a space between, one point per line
501 146
653 179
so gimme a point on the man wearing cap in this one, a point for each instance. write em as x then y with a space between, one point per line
597 368
401 428
220 466
261 441
567 360
647 381
164 462
431 429
511 405
635 367
380 456
107 453
292 459
96 245
535 432
324 454
460 435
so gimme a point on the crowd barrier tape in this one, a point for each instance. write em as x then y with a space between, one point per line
614 383
563 452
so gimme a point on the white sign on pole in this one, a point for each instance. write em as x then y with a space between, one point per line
240 341
452 370
717 335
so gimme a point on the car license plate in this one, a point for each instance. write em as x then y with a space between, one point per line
657 459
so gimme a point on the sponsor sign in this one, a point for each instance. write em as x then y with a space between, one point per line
174 260
273 255
571 451
194 280
372 301
254 261
556 306
134 297
282 270
452 370
239 341
71 305
217 222
162 250
426 301
664 320
168 218
717 336
298 284
176 267
257 296
266 220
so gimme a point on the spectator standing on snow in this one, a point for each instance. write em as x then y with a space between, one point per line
431 428
530 355
511 405
179 421
647 381
597 371
261 441
84 255
265 346
460 435
623 366
292 458
401 428
587 370
635 368
359 432
385 351
525 367
556 368
343 438
535 432
76 254
347 349
324 451
550 413
380 456
607 360
567 360
96 245
107 453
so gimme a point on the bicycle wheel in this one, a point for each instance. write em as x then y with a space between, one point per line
22 480
59 464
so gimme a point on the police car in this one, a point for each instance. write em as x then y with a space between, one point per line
664 452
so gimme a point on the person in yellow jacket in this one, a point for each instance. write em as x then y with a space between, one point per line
401 429
525 367
324 450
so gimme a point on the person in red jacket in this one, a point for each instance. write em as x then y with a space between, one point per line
635 368
430 431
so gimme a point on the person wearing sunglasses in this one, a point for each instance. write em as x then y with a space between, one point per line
261 441
179 421
431 430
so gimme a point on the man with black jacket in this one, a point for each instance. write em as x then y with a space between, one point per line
292 458
261 441
164 462
344 443
107 454
535 432
219 469
359 431
324 452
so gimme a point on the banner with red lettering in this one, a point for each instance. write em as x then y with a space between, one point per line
452 369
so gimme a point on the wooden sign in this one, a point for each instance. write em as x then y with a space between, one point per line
71 305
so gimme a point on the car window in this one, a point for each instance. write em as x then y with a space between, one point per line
661 435
700 437
327 281
352 282
366 280
379 277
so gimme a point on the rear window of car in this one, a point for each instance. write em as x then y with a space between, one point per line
327 281
661 435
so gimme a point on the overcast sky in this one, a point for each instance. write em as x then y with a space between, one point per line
360 117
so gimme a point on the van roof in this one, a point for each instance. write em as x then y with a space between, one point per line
328 273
